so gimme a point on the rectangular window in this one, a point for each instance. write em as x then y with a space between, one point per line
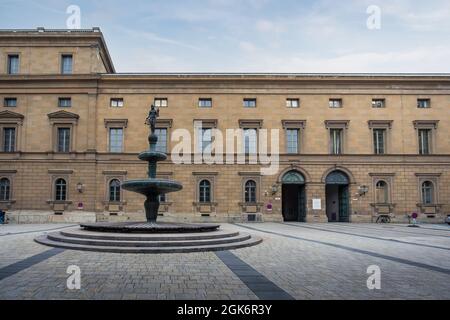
162 198
205 102
206 140
292 103
336 141
424 141
250 141
65 102
116 102
379 138
63 139
161 102
13 64
378 103
10 102
161 145
292 140
115 140
9 139
423 103
335 103
66 63
249 103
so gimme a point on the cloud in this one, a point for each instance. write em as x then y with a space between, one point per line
269 26
150 36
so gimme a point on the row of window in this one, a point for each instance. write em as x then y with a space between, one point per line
205 191
251 103
63 102
13 64
66 102
116 140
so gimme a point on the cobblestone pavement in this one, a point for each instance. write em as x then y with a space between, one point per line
301 261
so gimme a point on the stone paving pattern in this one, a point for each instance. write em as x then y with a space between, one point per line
289 256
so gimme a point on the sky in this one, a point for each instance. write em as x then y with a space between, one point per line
293 36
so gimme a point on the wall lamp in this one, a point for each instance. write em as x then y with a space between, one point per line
80 187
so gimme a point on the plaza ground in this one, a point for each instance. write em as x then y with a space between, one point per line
295 261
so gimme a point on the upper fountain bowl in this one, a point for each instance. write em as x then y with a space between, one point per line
152 156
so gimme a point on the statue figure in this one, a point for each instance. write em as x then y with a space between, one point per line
153 114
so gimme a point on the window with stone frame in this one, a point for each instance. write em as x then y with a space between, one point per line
426 132
337 133
115 140
424 141
114 190
204 191
293 135
66 63
5 189
250 190
9 139
60 190
428 196
161 144
13 63
382 192
379 141
63 139
380 135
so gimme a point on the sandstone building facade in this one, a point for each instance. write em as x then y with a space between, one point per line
352 147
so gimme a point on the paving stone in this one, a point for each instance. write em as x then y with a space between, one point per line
306 261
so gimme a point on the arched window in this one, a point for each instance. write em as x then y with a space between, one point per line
427 192
114 190
382 195
60 190
250 191
204 191
5 189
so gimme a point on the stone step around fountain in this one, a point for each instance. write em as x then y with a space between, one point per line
77 239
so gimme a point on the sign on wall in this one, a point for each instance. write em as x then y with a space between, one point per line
317 204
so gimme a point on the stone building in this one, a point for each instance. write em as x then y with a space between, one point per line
352 146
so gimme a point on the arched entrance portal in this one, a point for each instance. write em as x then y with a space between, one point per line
293 197
337 197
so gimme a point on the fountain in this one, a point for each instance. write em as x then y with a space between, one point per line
149 236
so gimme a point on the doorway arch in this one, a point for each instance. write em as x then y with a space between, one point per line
293 205
337 196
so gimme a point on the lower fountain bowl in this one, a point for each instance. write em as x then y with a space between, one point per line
150 227
152 186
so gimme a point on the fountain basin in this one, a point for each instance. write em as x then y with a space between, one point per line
152 156
149 187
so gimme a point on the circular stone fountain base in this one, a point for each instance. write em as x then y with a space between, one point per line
149 227
86 240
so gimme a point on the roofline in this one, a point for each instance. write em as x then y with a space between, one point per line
276 74
42 32
401 77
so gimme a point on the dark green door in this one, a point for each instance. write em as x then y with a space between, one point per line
301 204
343 203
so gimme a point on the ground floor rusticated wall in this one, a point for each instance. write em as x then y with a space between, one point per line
32 189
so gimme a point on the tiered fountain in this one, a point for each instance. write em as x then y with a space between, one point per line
149 236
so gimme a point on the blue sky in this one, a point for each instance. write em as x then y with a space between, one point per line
255 35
